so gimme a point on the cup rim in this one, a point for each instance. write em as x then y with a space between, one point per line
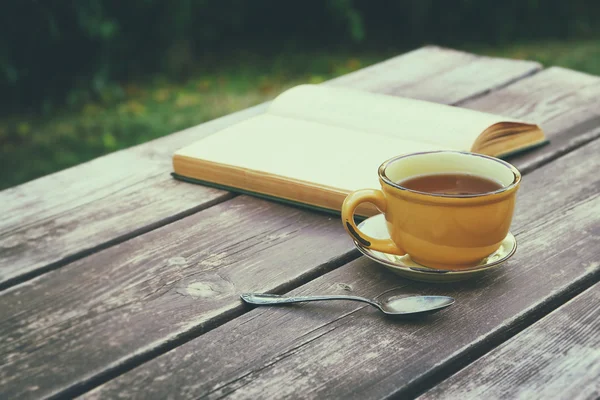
514 170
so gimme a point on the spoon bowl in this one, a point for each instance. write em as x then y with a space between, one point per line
413 305
394 306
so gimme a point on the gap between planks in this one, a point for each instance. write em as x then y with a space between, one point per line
112 242
572 290
540 164
86 233
142 357
414 389
514 320
559 354
429 380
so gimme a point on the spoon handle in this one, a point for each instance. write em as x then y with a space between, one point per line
262 299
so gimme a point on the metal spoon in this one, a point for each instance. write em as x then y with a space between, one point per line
398 306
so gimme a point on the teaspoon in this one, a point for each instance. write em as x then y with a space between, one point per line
397 306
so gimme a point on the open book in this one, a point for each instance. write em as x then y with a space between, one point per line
315 144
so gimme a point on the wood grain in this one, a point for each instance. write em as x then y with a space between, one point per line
565 103
406 69
454 84
344 350
558 356
97 281
126 193
179 279
72 323
437 74
52 220
78 274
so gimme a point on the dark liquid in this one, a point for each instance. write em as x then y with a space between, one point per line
451 184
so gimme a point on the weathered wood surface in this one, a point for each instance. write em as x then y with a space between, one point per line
70 324
558 357
440 75
55 219
149 292
454 84
132 345
123 194
565 103
345 350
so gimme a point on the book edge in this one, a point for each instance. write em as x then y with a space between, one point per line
276 199
237 179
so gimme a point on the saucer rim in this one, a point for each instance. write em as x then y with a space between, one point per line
432 271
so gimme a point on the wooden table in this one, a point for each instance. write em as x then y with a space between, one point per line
119 281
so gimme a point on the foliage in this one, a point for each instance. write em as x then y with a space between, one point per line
57 52
82 78
32 146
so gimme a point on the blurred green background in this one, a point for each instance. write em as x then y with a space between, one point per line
83 78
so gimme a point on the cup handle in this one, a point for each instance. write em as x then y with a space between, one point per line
352 201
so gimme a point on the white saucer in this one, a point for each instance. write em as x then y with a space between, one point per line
404 266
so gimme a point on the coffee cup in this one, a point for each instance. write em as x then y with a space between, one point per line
438 230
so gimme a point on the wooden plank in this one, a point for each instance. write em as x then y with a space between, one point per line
155 289
346 350
99 202
406 69
565 103
557 356
431 77
53 220
454 83
137 348
145 295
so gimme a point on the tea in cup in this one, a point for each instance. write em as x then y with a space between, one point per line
446 209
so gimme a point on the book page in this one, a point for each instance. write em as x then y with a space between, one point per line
395 117
333 156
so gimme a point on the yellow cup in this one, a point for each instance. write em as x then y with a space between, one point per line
436 230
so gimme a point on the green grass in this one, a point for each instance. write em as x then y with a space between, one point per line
35 145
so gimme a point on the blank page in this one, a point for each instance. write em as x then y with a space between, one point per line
306 150
414 120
